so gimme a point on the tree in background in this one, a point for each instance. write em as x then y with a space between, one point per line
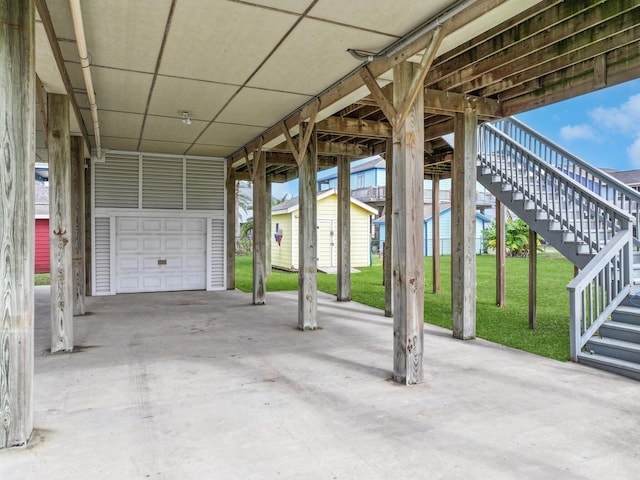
516 237
246 230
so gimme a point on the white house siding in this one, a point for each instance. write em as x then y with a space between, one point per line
178 193
281 254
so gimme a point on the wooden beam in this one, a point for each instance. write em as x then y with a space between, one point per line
78 218
435 232
501 253
387 253
330 149
259 229
41 95
354 127
307 235
17 158
378 95
448 103
438 130
281 158
463 227
343 288
408 235
60 224
231 214
87 229
533 280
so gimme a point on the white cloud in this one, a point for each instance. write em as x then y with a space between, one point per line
634 152
624 119
578 132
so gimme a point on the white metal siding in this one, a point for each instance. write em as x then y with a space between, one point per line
217 259
117 182
102 257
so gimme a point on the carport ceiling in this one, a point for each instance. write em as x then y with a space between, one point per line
238 67
242 67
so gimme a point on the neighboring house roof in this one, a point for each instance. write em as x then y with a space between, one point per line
375 162
443 210
630 177
293 204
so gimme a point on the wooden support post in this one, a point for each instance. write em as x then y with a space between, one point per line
501 253
60 224
17 163
87 229
463 226
435 231
231 207
268 201
77 217
408 233
307 233
533 282
343 289
387 253
259 228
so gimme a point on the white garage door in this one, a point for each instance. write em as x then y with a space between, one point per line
160 254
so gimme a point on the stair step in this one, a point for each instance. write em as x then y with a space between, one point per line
517 196
529 205
627 314
506 187
621 331
609 364
611 347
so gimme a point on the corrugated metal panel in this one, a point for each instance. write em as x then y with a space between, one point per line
117 182
103 255
217 254
162 182
42 258
204 184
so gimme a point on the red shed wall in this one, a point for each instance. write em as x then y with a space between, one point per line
42 245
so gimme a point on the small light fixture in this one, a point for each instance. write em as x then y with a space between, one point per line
186 120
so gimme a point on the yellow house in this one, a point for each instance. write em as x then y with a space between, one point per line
284 228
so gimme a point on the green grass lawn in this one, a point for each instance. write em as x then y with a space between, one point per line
507 325
42 279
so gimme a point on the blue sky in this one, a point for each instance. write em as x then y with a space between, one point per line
602 128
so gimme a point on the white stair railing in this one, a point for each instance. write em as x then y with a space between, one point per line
599 182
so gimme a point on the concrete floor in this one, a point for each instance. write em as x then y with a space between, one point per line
205 386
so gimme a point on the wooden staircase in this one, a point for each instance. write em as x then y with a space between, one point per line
591 219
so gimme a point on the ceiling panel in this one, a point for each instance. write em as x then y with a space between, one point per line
158 146
172 129
202 99
118 90
396 18
261 107
224 42
297 6
115 124
125 34
211 150
314 56
229 134
117 143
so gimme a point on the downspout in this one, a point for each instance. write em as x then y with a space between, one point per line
423 29
81 41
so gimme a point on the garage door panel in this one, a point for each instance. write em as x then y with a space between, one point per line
179 245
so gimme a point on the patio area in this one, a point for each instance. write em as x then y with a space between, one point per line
205 385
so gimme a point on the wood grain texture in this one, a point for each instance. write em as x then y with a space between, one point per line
60 224
501 253
408 235
533 278
268 202
77 217
463 226
231 207
435 232
17 163
259 230
387 260
87 230
343 287
308 235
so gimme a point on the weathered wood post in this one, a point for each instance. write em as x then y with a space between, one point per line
77 215
259 228
387 253
533 277
307 233
230 187
501 253
435 231
60 224
268 201
87 229
408 231
17 163
344 230
463 225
